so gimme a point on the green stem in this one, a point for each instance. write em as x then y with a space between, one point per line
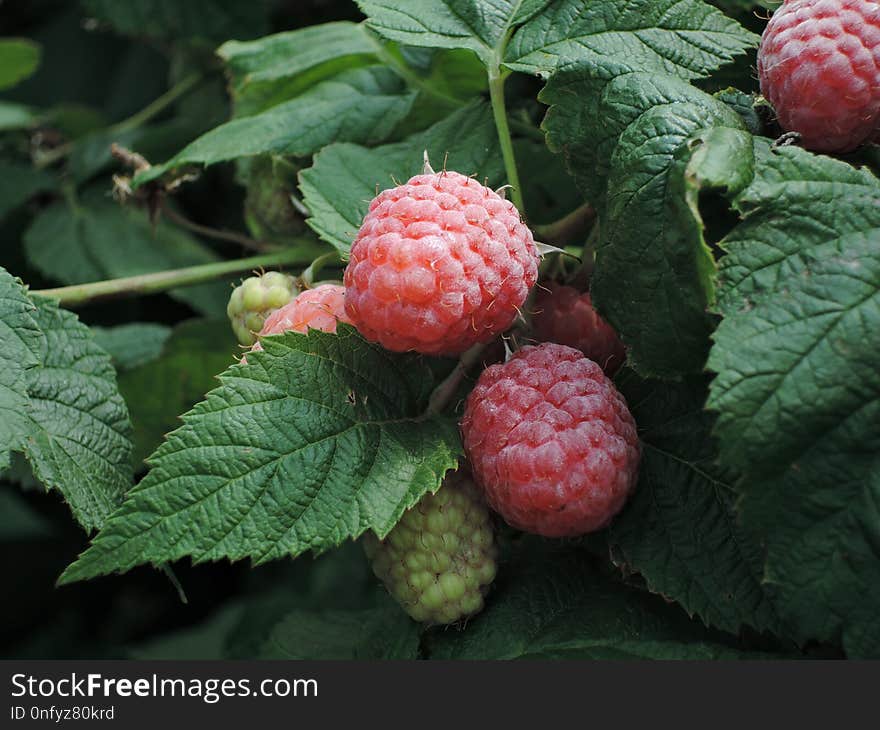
499 110
160 281
569 228
133 122
158 105
407 74
445 391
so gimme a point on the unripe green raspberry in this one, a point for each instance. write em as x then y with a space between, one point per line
255 299
439 560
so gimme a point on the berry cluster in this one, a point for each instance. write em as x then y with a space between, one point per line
440 264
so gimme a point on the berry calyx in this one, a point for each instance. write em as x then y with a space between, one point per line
255 299
440 263
551 442
566 316
440 559
819 66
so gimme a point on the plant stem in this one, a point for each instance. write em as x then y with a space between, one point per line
216 233
160 281
568 228
499 110
158 105
444 392
133 122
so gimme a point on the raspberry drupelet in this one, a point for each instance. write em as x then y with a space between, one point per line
440 263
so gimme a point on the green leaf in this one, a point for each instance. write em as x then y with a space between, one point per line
15 116
687 38
385 632
19 58
679 529
316 440
19 183
79 442
210 20
99 240
132 345
796 352
278 67
362 105
798 390
157 392
20 340
344 177
641 148
478 26
554 605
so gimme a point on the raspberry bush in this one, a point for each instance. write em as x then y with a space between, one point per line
435 230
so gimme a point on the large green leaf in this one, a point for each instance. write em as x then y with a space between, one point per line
679 530
97 239
798 387
554 605
157 392
19 58
277 67
344 178
639 146
316 440
362 105
687 38
131 345
478 26
80 441
21 339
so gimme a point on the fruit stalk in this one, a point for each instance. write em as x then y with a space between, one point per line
160 281
499 111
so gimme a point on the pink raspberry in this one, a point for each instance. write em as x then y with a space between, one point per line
566 316
819 65
551 441
320 308
439 264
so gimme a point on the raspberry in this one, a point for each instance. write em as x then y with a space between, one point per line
551 441
439 560
320 308
439 264
819 65
254 299
567 317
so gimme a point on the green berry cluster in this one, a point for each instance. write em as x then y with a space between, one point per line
255 299
439 560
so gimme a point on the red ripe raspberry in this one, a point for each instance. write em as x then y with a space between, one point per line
318 309
566 316
551 441
819 65
439 264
